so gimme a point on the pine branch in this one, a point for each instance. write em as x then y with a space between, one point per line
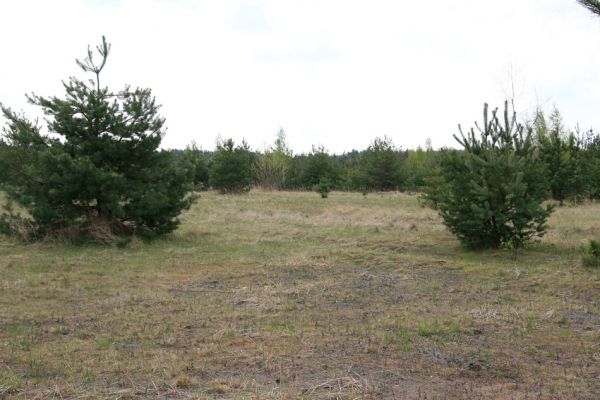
88 64
592 5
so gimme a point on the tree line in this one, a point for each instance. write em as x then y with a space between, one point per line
570 165
232 168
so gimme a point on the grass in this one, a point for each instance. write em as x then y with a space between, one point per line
591 256
287 295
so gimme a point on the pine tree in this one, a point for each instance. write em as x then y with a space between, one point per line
317 166
495 186
99 169
352 178
591 165
323 187
198 161
382 165
562 156
231 167
434 185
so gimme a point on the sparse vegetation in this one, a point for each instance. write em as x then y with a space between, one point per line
279 295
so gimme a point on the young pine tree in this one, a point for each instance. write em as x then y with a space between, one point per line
323 187
316 166
591 165
495 187
231 167
382 165
198 161
562 156
99 169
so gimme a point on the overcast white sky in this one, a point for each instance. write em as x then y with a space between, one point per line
330 72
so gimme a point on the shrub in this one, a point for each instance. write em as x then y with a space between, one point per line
495 187
99 171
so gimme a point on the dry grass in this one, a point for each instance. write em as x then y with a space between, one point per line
286 295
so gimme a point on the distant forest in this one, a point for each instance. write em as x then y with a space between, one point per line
571 160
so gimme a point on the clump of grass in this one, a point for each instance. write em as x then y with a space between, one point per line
219 388
591 255
183 382
130 242
10 383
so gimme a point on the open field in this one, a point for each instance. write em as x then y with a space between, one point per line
286 295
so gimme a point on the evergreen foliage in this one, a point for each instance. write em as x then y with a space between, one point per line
592 5
419 167
199 164
382 166
98 171
591 165
434 186
353 177
231 167
495 186
316 166
562 155
323 187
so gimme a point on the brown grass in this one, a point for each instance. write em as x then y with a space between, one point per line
286 295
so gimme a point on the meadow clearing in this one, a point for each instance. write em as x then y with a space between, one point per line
276 295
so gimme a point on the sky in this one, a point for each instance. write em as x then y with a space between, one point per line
336 73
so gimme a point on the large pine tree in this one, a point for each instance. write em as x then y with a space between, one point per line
98 169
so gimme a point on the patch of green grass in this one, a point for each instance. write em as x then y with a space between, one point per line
443 328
